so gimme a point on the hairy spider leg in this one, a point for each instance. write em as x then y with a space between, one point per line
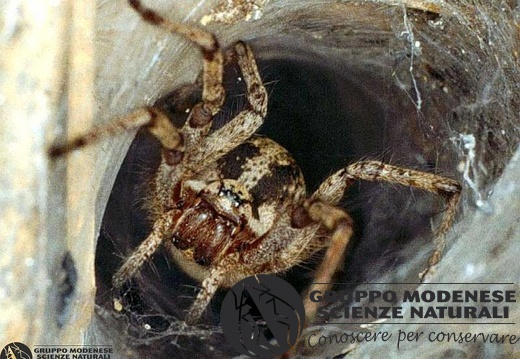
332 188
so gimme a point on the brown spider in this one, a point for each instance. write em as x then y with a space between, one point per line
228 203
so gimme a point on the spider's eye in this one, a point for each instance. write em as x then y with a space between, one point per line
231 195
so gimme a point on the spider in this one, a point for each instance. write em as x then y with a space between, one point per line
229 203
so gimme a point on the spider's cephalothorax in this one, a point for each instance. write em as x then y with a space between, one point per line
228 203
230 206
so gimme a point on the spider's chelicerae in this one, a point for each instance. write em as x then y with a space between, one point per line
230 204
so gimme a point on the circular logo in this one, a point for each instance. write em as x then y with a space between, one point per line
16 350
262 316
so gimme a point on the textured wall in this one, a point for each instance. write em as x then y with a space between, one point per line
46 79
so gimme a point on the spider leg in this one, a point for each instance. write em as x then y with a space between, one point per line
213 92
152 119
244 125
208 288
331 191
145 250
340 224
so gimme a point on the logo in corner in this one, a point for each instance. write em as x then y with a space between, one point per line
262 316
16 350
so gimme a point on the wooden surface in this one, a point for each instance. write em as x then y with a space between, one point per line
47 83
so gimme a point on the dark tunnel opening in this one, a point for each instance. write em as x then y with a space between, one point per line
326 118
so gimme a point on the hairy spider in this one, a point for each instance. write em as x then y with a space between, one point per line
229 203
